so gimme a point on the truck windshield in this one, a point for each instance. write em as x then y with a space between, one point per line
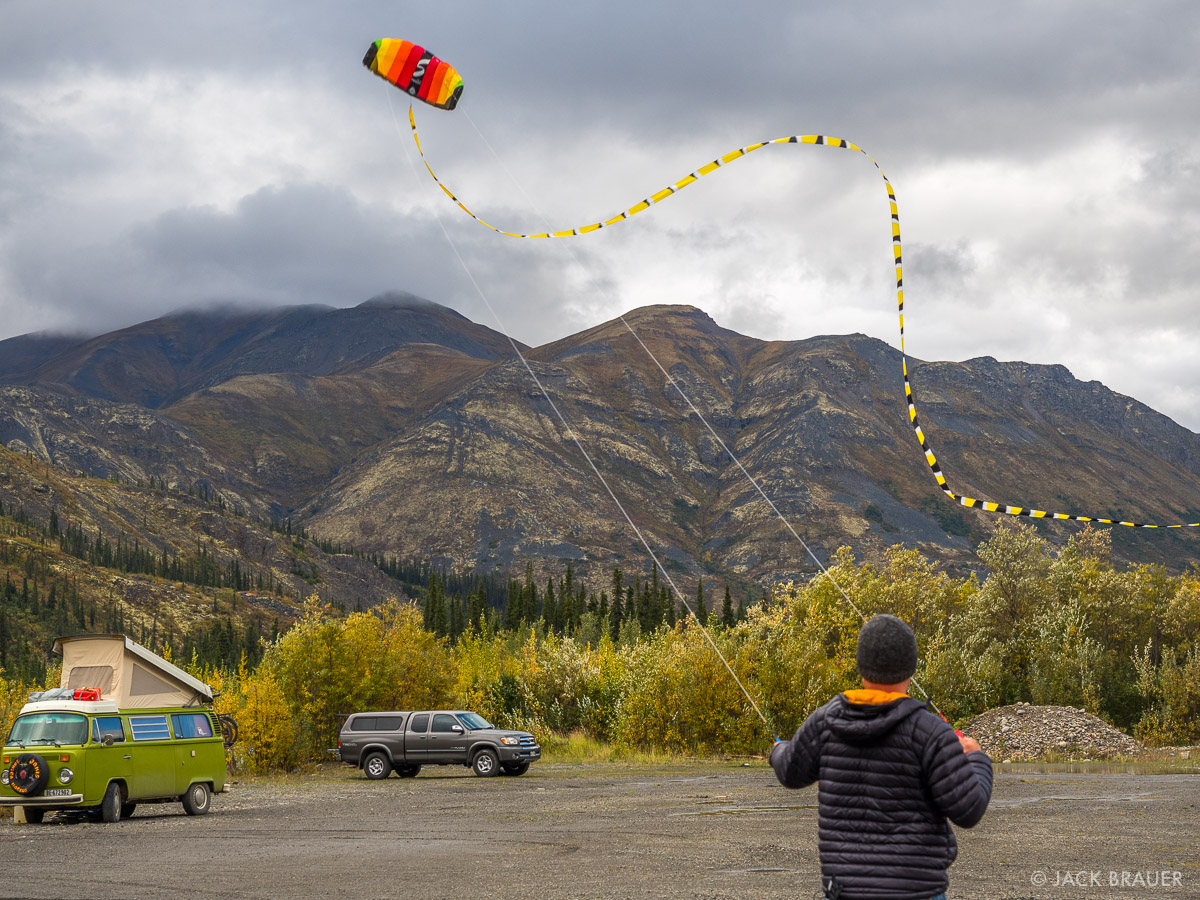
54 728
474 721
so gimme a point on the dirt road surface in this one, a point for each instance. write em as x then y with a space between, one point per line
714 830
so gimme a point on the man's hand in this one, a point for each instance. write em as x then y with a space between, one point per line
968 743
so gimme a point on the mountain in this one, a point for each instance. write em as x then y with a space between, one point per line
400 427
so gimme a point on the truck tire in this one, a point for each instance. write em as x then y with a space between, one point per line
377 766
197 799
485 763
518 768
409 771
110 806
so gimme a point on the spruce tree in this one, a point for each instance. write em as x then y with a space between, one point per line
701 608
616 614
727 614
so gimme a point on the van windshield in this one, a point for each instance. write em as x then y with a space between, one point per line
55 728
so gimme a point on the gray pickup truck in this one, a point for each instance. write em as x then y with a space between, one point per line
380 742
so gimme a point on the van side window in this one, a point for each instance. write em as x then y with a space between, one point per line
149 728
419 724
444 723
192 725
108 725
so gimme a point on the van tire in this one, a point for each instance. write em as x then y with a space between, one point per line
197 799
377 766
34 815
485 763
110 806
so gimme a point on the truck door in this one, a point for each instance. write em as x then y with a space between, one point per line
447 740
416 739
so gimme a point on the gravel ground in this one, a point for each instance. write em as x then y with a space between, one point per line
712 830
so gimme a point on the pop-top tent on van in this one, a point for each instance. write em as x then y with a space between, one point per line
125 671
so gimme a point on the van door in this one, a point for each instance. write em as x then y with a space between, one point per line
198 755
107 762
153 758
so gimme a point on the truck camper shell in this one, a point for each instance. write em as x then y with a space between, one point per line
126 672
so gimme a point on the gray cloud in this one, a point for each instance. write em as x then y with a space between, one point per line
159 155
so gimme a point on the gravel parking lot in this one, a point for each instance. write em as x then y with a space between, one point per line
692 830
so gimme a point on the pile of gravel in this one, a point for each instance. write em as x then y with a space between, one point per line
1022 732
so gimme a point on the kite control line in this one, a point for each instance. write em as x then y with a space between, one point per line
824 140
574 436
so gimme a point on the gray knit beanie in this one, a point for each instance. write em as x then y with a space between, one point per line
887 650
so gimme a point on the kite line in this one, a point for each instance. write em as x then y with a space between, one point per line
827 141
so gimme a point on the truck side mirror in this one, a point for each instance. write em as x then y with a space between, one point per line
457 729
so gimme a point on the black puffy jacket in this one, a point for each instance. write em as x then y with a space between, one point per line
891 774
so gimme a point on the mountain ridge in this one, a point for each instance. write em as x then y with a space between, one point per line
401 427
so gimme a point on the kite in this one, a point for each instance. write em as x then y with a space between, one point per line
416 71
372 61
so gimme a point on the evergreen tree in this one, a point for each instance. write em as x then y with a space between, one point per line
616 614
513 612
727 615
550 610
701 608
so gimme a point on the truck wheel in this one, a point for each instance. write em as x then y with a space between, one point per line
197 799
34 815
519 768
485 764
110 806
377 766
409 771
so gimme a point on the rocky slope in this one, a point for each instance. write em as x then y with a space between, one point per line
399 426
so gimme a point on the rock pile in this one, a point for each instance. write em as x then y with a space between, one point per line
1023 732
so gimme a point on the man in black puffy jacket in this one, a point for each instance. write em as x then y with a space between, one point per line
891 774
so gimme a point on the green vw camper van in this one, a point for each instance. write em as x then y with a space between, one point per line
124 727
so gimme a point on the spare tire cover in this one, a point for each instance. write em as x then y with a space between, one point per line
28 774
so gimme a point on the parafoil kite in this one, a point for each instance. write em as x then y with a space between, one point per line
416 71
372 61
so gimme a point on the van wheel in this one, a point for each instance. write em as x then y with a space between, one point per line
377 766
485 764
34 815
127 810
409 771
110 806
196 800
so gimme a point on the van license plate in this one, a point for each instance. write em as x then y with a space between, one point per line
57 792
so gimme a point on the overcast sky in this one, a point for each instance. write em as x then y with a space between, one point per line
1045 156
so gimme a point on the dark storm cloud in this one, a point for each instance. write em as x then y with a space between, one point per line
154 155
